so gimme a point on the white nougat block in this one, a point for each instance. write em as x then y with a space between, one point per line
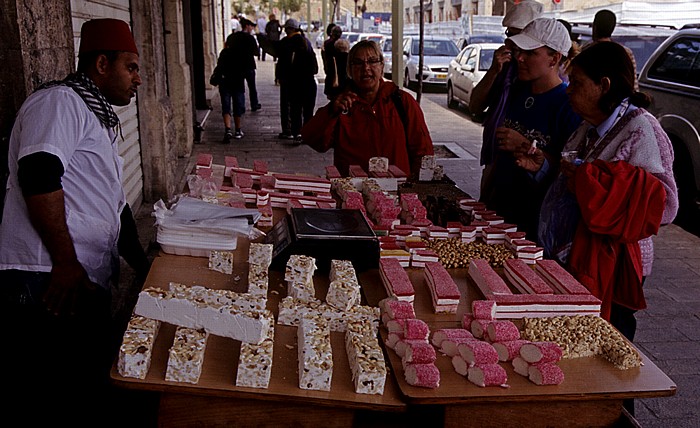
186 356
221 261
258 279
315 355
255 363
365 358
343 294
260 254
224 313
137 347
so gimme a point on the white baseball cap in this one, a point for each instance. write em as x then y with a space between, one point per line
543 32
521 14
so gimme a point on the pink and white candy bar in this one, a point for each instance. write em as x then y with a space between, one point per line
488 281
467 319
442 287
531 254
416 329
332 172
392 339
502 330
545 374
520 244
521 366
357 171
395 279
541 352
483 309
478 327
484 375
559 278
509 349
204 160
419 352
449 333
395 171
260 166
524 278
395 326
402 346
450 347
422 375
460 366
478 352
398 309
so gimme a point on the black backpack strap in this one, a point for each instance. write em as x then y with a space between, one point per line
396 98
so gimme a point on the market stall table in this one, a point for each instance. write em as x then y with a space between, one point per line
591 394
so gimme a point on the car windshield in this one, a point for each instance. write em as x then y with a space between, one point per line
353 37
435 48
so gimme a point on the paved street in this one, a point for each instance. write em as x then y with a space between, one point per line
669 330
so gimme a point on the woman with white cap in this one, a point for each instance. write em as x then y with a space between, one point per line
538 121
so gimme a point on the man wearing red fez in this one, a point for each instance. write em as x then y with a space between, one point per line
65 222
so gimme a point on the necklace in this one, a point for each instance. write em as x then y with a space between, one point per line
529 102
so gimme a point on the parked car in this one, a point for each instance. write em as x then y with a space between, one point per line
672 77
641 39
351 37
379 38
471 39
466 70
320 38
386 49
437 53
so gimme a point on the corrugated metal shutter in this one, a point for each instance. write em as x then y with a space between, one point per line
130 147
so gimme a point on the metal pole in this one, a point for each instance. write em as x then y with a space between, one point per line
324 15
308 16
397 42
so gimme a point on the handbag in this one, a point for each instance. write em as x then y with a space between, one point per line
216 77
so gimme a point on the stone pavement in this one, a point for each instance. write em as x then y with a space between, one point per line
669 330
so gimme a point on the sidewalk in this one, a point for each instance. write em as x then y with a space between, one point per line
668 331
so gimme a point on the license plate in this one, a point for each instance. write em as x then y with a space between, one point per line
441 76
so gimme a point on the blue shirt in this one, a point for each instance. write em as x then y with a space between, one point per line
514 192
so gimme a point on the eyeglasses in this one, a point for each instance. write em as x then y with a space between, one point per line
362 63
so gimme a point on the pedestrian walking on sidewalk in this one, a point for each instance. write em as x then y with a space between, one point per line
235 62
273 31
262 24
247 53
296 68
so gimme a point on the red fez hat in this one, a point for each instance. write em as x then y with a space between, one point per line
106 35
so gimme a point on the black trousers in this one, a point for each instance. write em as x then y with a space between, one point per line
297 104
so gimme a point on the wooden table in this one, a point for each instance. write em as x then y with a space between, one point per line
591 394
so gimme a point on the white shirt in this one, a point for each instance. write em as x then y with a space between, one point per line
262 23
57 121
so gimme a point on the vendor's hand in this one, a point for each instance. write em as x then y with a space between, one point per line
343 102
68 283
501 57
511 140
531 160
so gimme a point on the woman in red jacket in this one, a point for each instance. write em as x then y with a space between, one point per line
371 118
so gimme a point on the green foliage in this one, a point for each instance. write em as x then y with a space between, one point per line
290 6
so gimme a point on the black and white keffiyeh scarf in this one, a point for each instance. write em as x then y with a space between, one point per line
90 93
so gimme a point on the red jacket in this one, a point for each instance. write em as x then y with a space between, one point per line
372 130
620 204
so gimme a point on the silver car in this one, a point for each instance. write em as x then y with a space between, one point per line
672 77
437 54
466 70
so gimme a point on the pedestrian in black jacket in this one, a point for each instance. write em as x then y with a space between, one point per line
296 68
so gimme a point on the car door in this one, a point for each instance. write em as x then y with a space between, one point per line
469 68
459 78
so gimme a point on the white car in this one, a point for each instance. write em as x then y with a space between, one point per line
379 38
437 54
466 70
351 37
